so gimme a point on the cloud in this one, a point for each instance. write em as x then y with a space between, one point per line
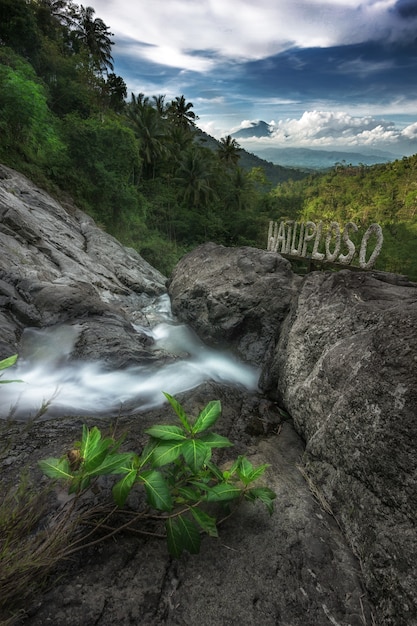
329 129
241 30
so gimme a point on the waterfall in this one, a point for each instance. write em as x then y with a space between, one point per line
50 378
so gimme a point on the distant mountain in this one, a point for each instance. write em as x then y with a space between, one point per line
256 129
306 158
275 173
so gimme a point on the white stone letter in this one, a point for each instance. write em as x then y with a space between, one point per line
346 258
373 229
294 250
309 234
333 229
318 255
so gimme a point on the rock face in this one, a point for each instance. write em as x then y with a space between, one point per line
344 366
56 266
240 299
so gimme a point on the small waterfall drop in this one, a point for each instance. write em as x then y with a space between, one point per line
78 387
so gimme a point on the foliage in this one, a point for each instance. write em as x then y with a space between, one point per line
176 470
5 364
144 170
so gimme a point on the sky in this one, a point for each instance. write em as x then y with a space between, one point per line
325 74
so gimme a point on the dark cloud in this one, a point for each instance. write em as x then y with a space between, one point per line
406 8
362 73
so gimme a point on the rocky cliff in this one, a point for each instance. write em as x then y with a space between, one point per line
334 417
340 355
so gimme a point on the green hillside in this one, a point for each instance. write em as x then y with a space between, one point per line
140 166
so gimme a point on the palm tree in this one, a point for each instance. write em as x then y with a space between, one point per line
228 151
179 112
241 192
95 36
148 127
159 104
194 177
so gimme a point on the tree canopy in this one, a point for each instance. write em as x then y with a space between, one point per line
143 169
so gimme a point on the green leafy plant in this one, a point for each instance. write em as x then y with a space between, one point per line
176 469
6 363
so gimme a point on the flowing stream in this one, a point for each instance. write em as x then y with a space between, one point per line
67 387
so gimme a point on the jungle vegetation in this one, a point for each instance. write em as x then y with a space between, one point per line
139 165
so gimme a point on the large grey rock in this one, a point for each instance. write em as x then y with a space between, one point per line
237 298
344 366
57 266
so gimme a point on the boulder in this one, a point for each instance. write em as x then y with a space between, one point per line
57 266
236 298
345 368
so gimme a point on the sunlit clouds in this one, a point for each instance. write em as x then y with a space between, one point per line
325 72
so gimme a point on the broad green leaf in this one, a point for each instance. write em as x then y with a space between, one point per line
208 416
174 538
204 486
222 492
166 432
56 468
122 489
215 470
258 472
178 410
207 523
89 441
157 490
190 534
247 472
117 463
195 453
146 455
182 534
94 449
215 441
244 467
264 494
165 453
189 494
5 363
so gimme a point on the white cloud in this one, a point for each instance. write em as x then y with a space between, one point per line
329 129
193 34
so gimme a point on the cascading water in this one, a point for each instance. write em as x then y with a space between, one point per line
69 387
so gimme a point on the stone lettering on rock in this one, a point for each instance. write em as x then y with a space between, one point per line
292 238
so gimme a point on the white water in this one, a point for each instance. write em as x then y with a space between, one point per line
89 388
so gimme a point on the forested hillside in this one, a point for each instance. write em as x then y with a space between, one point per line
385 194
140 166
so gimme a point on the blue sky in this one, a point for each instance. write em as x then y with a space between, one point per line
325 74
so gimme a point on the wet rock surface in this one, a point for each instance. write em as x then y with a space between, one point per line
293 567
57 266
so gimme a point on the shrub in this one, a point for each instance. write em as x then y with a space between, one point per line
176 470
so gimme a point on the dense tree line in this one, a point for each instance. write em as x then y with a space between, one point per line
140 166
385 194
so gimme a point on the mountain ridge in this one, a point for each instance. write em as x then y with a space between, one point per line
308 158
